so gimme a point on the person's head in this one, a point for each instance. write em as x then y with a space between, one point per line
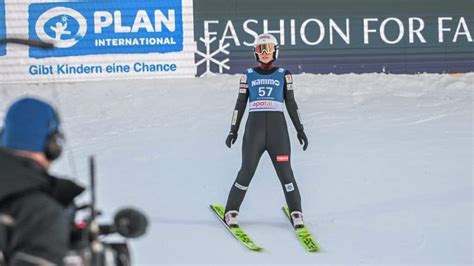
265 48
32 129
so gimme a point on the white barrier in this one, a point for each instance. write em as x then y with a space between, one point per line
97 40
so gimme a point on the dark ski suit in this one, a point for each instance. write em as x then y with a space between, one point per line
266 90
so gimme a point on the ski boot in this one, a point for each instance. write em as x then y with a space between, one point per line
230 218
297 219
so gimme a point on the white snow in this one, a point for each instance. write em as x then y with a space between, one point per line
387 178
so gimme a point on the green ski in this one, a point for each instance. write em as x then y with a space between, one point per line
237 232
304 236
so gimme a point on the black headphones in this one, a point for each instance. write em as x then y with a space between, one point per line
54 145
54 141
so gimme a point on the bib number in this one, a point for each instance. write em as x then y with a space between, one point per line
265 91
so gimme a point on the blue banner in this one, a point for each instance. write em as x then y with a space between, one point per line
107 27
3 34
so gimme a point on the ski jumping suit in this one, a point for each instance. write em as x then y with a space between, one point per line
266 91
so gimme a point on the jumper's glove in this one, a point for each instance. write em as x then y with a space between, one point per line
303 139
231 138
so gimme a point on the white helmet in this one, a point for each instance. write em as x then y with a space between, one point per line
265 43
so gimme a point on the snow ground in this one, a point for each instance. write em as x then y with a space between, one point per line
387 178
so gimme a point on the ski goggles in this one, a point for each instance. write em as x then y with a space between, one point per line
268 48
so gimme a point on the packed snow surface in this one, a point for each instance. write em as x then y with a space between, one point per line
387 177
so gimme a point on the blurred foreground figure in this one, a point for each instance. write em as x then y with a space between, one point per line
34 225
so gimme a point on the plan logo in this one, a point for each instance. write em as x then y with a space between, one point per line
63 26
107 27
3 34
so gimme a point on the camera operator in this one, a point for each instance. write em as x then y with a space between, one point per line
31 200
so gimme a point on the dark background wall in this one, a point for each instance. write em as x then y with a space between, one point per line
233 24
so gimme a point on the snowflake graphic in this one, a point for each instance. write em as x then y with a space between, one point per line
208 57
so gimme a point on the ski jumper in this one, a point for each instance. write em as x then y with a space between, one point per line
267 91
